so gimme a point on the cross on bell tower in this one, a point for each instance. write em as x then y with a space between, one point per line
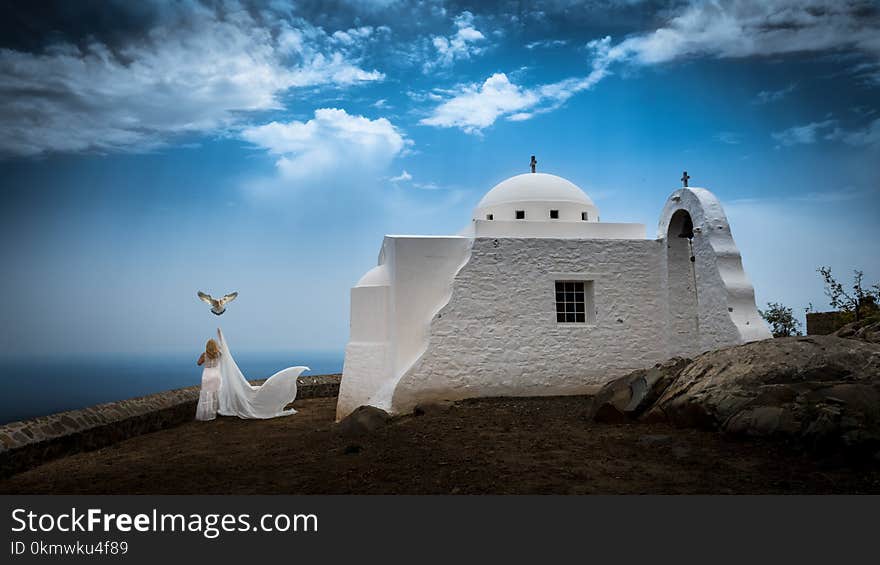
533 164
685 177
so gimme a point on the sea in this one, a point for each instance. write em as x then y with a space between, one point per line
31 387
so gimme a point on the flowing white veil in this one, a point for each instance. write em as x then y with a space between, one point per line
239 398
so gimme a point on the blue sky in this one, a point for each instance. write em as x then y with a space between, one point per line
151 150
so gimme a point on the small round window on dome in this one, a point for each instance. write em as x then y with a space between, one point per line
554 214
490 216
520 214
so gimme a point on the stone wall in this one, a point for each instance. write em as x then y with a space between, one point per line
26 444
824 323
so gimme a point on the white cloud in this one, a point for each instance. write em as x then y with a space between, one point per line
465 42
475 107
352 36
478 106
194 73
333 143
745 28
803 135
546 44
729 137
869 135
829 130
402 177
767 96
742 28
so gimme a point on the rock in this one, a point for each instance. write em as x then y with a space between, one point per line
864 330
364 419
628 397
608 413
822 391
429 408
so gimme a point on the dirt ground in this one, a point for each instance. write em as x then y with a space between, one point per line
497 446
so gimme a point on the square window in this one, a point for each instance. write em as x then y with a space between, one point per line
574 301
490 216
585 216
520 214
554 214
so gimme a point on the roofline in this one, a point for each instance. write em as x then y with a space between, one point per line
591 203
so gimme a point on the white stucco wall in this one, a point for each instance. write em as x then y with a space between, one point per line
726 299
498 335
392 307
558 229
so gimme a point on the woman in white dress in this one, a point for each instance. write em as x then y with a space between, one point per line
209 395
240 398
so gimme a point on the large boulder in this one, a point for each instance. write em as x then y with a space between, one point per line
628 397
823 391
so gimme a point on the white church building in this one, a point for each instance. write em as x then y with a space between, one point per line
539 297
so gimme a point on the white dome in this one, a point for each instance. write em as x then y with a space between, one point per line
537 196
530 187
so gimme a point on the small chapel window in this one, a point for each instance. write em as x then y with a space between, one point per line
554 214
573 298
490 216
585 216
520 214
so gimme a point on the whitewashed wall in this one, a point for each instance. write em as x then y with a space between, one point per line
726 299
558 230
392 307
498 335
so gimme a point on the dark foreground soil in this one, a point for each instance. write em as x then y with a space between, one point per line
499 446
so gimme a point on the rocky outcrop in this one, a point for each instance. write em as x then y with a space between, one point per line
628 397
822 391
818 391
864 330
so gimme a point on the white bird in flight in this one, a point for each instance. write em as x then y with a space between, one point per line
218 305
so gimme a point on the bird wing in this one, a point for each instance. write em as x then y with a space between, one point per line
228 298
206 298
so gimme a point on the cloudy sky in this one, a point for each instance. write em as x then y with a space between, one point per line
148 150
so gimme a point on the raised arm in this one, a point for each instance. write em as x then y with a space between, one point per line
201 359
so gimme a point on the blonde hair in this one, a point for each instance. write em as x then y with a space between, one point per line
212 350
